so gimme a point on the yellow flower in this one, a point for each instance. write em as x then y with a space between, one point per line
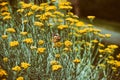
40 42
29 14
20 78
108 35
101 45
20 10
68 43
112 46
25 5
48 14
95 41
117 63
118 56
12 30
114 68
76 60
43 17
57 55
58 13
102 65
16 68
39 24
108 50
112 62
49 8
65 7
101 51
62 1
82 31
4 36
67 49
80 23
28 40
35 7
62 27
53 0
5 59
25 65
23 33
14 43
25 21
37 16
91 17
5 8
41 50
110 57
58 44
56 67
89 25
2 72
7 17
53 62
5 14
3 3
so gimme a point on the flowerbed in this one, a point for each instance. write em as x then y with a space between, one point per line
48 42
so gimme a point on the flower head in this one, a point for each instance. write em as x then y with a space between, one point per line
4 36
14 43
28 40
41 50
68 43
5 59
2 72
20 78
25 65
40 42
76 60
16 68
56 67
11 30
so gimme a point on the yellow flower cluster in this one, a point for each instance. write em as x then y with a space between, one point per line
118 56
23 33
20 78
80 24
2 72
14 43
58 44
57 55
25 65
56 67
39 24
76 60
40 42
28 40
4 36
41 50
51 8
91 17
54 62
68 43
5 59
5 12
11 30
65 6
16 68
61 27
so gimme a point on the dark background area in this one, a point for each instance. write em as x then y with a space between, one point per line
103 9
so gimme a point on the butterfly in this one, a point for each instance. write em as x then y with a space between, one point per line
56 38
